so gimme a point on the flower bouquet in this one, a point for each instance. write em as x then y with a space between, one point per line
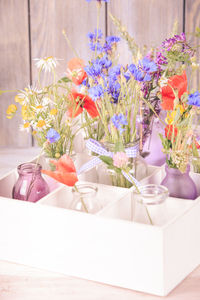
44 112
179 141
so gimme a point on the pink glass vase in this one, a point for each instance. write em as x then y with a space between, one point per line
30 185
180 185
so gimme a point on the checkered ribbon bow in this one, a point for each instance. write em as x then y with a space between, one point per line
97 148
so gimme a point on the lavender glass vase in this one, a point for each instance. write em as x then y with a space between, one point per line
30 185
180 185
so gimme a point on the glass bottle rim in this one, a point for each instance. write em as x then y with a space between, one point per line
29 168
85 189
151 194
135 142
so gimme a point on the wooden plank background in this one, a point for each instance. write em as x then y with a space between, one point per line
33 29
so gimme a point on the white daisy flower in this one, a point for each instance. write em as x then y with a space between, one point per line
26 126
46 101
47 63
41 124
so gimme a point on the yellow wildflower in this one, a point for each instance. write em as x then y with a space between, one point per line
11 110
19 100
34 132
53 111
26 114
26 125
57 155
41 123
39 107
171 116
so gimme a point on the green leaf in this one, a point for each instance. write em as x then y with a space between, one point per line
106 159
64 79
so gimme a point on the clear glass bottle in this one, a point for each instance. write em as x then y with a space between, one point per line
30 185
149 204
85 198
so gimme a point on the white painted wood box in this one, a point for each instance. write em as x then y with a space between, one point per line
107 247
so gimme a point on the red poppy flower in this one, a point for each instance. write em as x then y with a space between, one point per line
171 130
177 82
65 171
80 102
76 70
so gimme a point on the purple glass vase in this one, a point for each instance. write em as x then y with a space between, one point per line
30 185
180 185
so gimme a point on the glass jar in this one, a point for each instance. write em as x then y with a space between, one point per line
85 198
195 164
149 204
50 166
180 185
30 185
137 165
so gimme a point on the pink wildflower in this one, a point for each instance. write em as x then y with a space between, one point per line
120 159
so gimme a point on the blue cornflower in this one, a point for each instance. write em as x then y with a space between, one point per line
114 72
127 75
114 89
119 121
112 39
148 65
95 40
95 46
194 99
94 70
96 92
105 62
52 135
93 36
138 75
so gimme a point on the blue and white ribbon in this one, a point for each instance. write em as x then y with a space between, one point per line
97 148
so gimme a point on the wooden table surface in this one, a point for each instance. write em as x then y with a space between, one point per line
19 282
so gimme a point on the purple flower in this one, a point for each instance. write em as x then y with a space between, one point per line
194 99
96 92
169 43
118 121
52 135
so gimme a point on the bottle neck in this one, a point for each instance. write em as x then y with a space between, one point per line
28 169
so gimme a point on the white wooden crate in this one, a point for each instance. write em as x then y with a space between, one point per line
107 247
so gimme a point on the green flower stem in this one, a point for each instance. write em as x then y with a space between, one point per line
83 203
98 16
69 44
150 219
138 191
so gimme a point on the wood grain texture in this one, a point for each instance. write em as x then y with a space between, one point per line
49 18
14 66
19 282
192 20
149 22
